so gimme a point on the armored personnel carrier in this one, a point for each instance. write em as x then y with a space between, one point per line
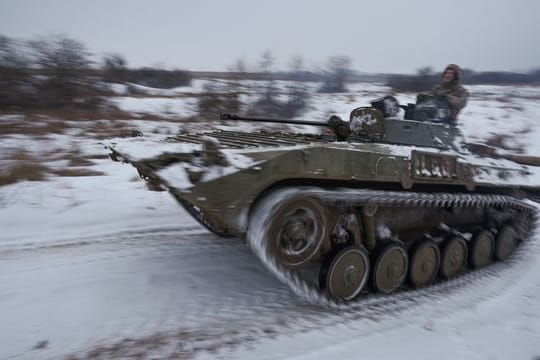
373 204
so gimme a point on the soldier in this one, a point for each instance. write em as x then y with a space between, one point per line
449 90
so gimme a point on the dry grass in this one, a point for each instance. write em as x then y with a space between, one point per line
34 123
33 127
77 164
78 161
23 166
76 172
76 115
38 126
501 141
20 171
75 158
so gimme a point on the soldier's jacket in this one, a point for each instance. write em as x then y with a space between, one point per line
456 95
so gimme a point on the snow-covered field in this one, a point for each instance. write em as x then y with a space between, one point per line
511 112
99 267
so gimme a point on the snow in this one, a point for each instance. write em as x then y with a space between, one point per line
88 261
511 111
148 147
236 163
36 213
358 122
157 106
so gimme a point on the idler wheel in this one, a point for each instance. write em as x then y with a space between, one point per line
481 249
296 231
454 257
390 268
425 259
505 242
347 272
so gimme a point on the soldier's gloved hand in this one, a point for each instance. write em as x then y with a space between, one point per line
421 97
340 128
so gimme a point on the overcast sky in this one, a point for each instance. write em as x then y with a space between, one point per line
378 36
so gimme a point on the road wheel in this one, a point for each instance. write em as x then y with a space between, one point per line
390 268
346 273
481 249
505 242
454 257
425 259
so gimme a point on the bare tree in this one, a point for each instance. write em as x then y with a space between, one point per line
336 74
266 103
11 55
296 64
114 68
298 95
61 55
239 66
425 71
16 85
65 63
267 61
236 85
223 97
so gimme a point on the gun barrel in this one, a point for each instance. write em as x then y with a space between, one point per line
524 159
486 150
272 120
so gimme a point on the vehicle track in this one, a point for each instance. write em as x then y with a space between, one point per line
262 215
151 236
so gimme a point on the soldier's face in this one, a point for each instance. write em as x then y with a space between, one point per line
449 75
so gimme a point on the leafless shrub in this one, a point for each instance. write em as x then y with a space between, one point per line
17 88
502 141
216 99
66 80
23 170
336 73
37 126
71 172
114 68
268 101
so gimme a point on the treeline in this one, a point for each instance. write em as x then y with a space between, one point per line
59 72
425 78
114 69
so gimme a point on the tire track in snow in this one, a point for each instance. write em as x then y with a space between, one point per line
151 235
272 312
255 307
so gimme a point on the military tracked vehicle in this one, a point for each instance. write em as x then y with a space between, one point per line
373 204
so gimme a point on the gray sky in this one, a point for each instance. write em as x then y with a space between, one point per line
378 35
